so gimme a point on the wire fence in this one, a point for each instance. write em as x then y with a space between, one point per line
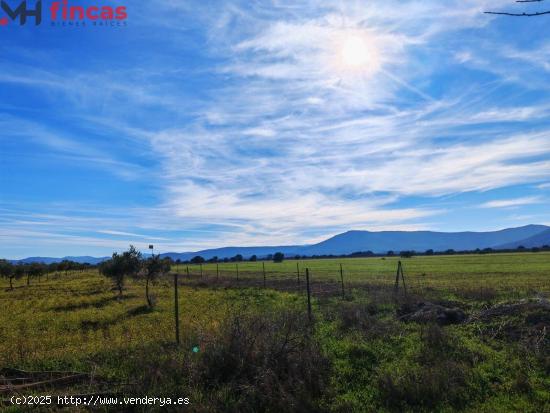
341 280
321 283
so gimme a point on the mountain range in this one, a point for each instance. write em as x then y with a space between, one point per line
349 242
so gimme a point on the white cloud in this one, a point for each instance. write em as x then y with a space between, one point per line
507 203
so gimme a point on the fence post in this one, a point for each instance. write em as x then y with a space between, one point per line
342 280
397 274
396 285
200 265
403 279
176 308
298 272
237 266
218 272
308 295
188 275
263 270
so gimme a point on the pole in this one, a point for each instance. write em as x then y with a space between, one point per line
400 273
342 280
396 286
188 275
237 266
298 272
308 295
403 278
263 270
176 309
217 272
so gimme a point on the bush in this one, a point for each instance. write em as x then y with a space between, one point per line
425 387
263 363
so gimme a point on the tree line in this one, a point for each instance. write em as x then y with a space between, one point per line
277 257
36 270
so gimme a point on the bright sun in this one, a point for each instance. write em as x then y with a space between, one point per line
355 52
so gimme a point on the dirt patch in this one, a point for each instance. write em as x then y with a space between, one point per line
426 312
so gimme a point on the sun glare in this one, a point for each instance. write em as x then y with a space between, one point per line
355 52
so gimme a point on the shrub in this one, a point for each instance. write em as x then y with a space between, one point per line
425 387
263 363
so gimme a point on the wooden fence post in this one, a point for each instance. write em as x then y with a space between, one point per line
237 266
218 272
188 275
397 274
176 309
263 270
298 272
308 295
342 280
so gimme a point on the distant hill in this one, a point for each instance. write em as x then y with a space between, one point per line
378 242
384 241
538 240
381 242
49 260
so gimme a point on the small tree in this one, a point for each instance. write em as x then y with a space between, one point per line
6 271
278 257
197 260
36 269
119 266
19 271
254 258
153 268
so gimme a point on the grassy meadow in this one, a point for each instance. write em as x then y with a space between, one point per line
247 349
512 273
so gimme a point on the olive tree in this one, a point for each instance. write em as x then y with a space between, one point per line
121 265
19 271
153 268
7 271
36 269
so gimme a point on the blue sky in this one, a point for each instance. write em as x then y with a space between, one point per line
205 124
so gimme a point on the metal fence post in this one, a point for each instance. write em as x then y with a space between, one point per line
397 274
342 280
308 295
176 308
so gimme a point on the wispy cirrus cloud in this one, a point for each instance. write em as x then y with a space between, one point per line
508 203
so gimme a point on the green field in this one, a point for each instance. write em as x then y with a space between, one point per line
514 273
253 349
